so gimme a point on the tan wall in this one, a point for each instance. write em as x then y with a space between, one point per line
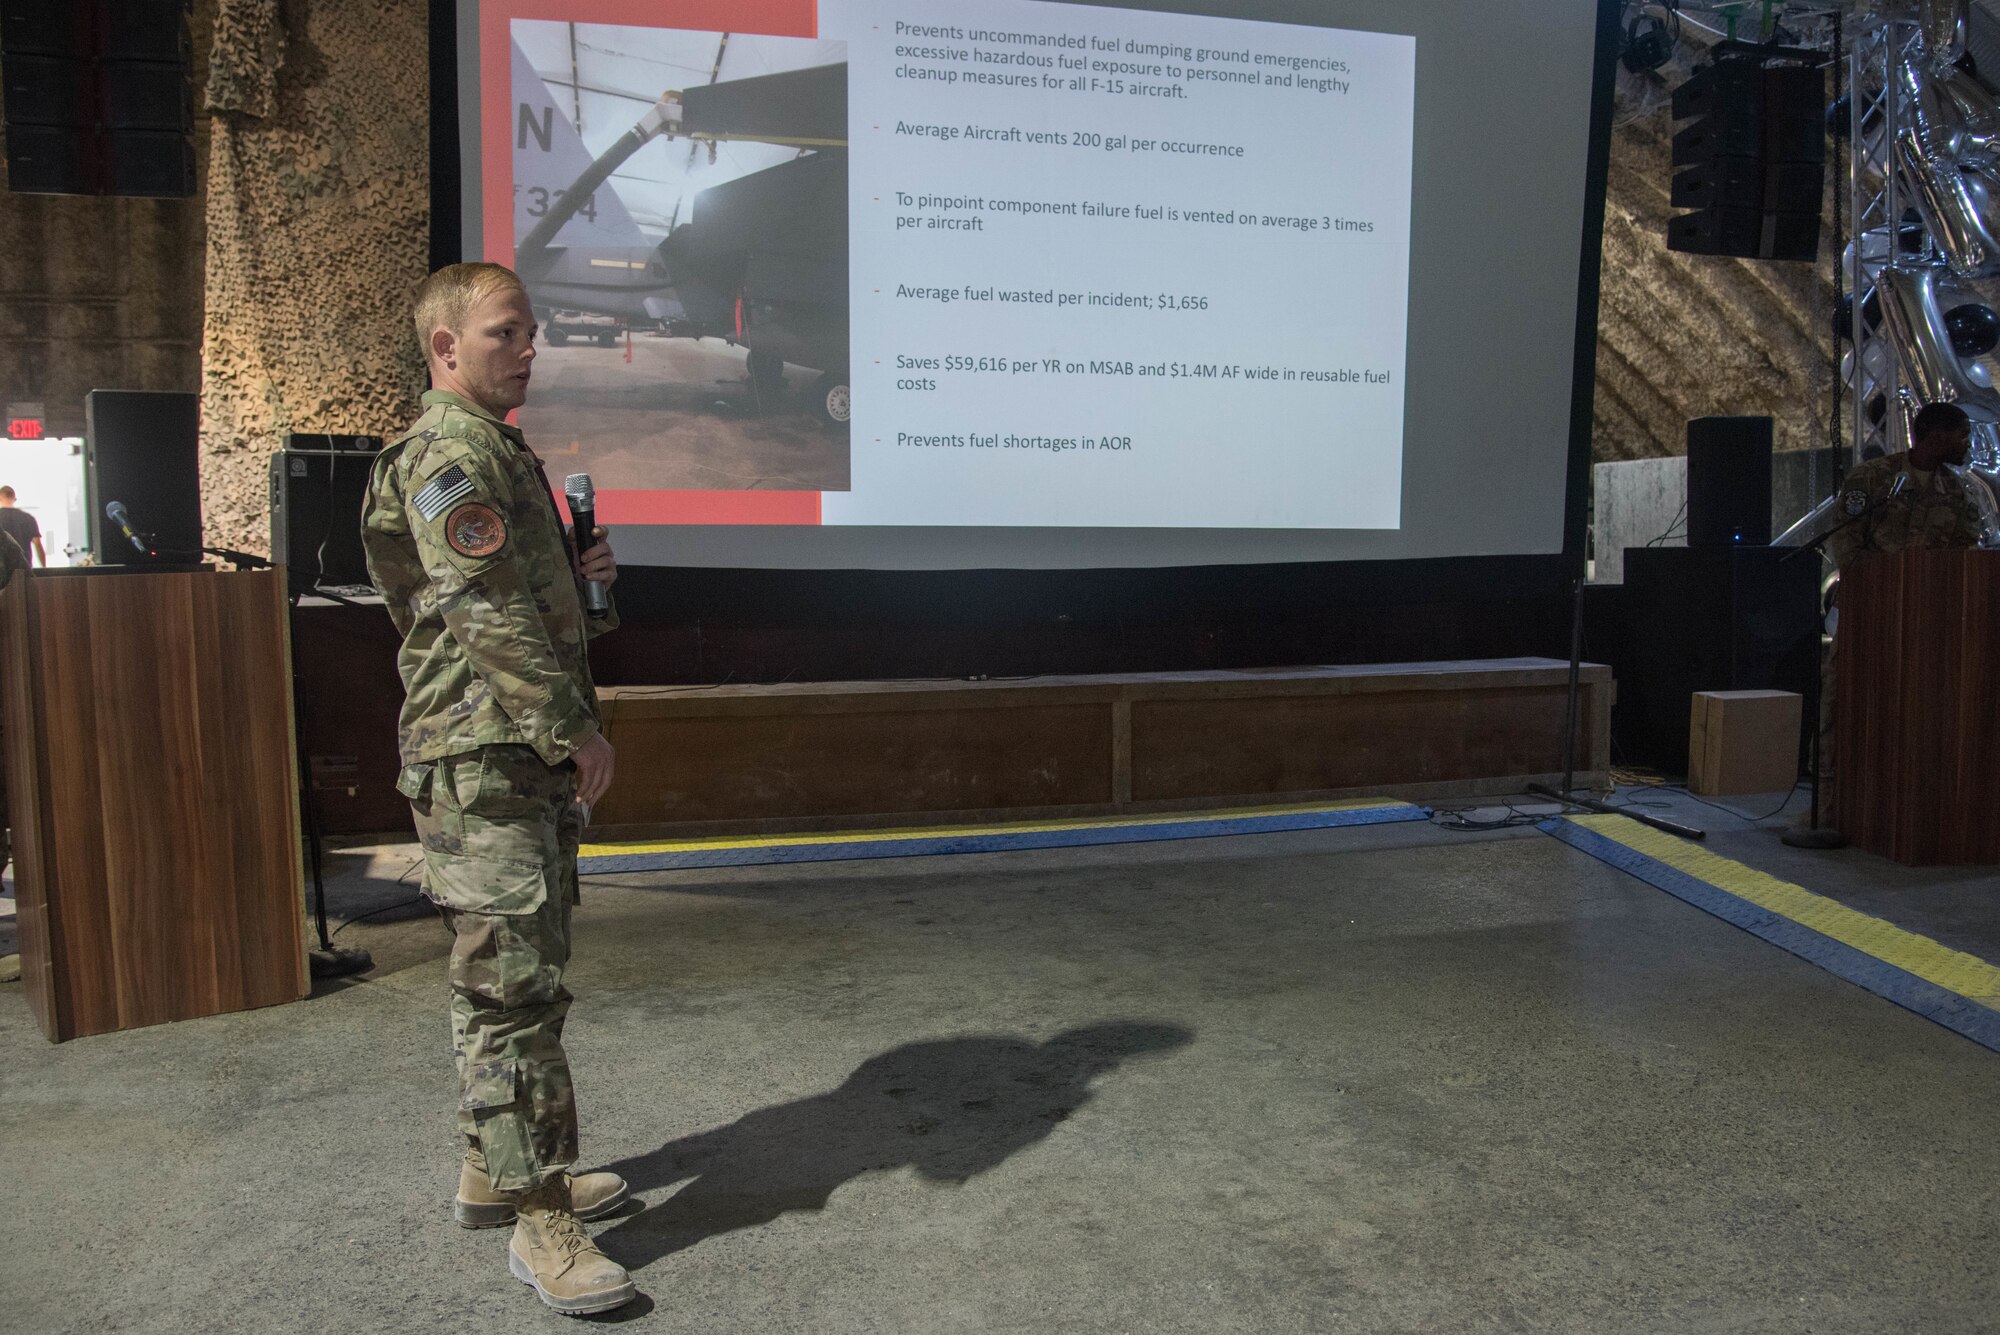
317 217
1681 336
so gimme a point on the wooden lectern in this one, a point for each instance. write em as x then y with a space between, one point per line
152 788
1916 742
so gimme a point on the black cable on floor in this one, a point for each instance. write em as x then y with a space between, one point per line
1731 811
386 908
1515 821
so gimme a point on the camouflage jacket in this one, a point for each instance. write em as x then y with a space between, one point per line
465 546
1933 510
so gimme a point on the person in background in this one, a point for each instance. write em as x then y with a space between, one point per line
21 526
1911 499
1893 503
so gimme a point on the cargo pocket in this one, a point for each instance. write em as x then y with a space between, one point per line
485 885
435 805
487 811
493 1103
492 1086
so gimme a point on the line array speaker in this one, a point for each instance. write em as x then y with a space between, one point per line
99 96
1754 155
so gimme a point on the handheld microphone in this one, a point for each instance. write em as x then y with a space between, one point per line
582 498
116 512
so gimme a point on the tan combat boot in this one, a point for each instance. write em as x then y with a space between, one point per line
591 1195
551 1251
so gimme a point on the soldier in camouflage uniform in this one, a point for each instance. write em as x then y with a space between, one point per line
1931 508
502 753
1897 502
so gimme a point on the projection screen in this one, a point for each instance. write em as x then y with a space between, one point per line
1010 283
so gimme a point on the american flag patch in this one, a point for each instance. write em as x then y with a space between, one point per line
447 487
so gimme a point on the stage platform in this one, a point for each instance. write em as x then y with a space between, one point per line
797 756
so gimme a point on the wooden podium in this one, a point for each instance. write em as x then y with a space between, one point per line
1917 708
152 787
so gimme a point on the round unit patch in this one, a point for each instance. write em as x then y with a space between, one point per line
474 529
1855 503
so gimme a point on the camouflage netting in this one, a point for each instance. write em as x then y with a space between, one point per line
1683 336
318 225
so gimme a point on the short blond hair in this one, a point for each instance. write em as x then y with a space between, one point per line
448 296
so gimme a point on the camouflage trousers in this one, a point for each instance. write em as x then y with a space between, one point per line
500 831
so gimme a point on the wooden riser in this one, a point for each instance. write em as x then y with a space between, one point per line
695 760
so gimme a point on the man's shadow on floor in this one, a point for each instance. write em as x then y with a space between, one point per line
951 1109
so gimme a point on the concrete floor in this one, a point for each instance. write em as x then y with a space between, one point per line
1958 906
1379 1079
678 416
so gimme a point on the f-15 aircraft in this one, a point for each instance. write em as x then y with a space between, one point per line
761 261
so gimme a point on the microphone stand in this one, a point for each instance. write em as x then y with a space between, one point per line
1567 795
1815 835
329 961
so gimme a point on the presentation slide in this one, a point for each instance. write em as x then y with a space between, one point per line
1013 282
1118 268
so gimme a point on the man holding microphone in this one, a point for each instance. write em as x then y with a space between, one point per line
502 758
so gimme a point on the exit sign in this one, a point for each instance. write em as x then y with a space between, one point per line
24 421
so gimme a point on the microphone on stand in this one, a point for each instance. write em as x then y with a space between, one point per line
582 498
116 512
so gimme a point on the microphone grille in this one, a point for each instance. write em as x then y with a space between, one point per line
578 484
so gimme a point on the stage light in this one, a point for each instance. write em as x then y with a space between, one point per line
1648 43
1843 315
1974 329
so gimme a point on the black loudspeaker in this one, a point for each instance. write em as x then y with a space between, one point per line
99 96
316 498
1740 619
325 440
143 450
1729 482
1754 154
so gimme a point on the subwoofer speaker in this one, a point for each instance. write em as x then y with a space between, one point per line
1709 620
1729 482
142 449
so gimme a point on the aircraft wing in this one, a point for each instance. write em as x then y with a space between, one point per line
805 107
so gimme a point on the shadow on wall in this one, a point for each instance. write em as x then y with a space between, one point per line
952 1109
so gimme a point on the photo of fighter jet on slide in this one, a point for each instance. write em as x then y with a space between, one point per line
680 220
